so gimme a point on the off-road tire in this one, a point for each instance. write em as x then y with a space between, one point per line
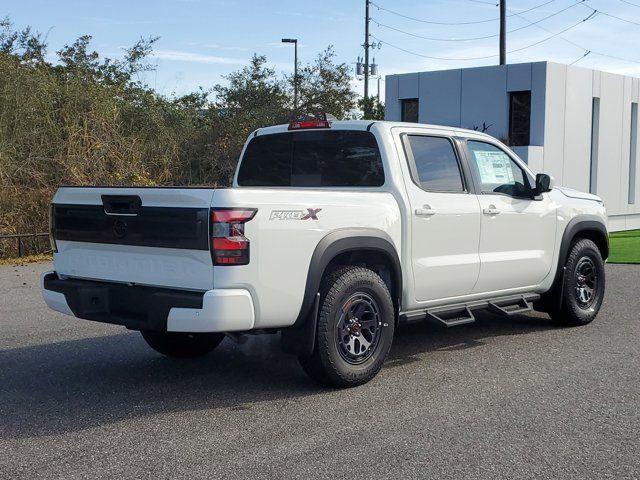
573 312
327 364
182 345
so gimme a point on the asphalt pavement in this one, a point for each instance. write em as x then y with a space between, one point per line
501 398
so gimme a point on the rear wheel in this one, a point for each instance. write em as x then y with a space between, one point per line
355 328
583 285
182 345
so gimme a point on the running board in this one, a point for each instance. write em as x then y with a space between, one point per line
451 317
508 309
462 313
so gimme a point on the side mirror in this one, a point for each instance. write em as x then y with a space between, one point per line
544 184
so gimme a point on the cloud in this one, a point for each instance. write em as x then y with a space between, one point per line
326 16
192 57
283 45
113 21
215 46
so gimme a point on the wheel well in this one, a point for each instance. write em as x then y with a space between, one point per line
375 260
597 237
590 230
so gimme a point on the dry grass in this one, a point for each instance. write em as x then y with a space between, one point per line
58 129
14 262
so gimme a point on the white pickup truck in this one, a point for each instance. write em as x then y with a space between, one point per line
333 234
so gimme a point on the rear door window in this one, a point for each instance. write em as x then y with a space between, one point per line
436 164
319 158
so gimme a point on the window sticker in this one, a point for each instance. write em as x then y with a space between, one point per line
494 167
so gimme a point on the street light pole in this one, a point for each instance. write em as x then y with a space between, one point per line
295 71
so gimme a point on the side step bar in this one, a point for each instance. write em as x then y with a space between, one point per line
462 313
522 306
451 317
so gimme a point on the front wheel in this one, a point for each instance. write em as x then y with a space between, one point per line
355 328
583 285
182 345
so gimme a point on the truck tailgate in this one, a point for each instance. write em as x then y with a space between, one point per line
146 236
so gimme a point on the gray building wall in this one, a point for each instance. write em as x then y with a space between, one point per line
561 120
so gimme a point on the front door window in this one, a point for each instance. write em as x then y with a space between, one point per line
497 171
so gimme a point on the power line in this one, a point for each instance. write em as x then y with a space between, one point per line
488 56
593 14
583 56
468 39
630 3
430 22
493 4
612 16
570 42
533 8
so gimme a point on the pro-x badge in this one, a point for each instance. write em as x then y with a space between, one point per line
310 214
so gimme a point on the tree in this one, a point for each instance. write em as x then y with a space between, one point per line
372 108
77 60
24 45
325 86
253 97
253 93
89 119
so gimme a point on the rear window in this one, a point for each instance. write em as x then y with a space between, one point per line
319 158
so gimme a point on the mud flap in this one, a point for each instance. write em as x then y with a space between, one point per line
300 340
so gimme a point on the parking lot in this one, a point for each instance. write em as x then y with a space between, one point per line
501 398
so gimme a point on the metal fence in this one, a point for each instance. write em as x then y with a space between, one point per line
20 241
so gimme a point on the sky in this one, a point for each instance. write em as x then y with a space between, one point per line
203 40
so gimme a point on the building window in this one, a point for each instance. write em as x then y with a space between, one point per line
520 118
410 110
595 132
633 153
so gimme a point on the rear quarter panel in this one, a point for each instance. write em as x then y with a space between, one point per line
282 244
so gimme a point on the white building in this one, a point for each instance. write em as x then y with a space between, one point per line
576 124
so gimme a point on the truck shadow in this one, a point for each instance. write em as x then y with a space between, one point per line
414 340
78 384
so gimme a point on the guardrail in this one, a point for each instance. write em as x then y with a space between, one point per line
19 239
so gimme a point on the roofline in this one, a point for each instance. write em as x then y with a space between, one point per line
544 62
368 125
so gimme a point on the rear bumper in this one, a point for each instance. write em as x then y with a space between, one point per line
150 308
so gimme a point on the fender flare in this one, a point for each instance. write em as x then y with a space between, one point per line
300 337
581 223
342 241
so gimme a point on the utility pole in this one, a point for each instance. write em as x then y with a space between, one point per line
366 110
503 32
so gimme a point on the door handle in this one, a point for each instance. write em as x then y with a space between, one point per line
425 211
491 210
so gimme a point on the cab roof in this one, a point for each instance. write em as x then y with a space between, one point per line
367 124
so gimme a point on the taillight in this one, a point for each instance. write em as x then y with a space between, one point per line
229 246
52 228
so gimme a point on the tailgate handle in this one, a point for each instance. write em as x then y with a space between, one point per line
121 204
